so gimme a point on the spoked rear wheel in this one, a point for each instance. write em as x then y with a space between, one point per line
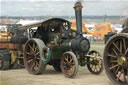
116 59
95 64
32 56
69 64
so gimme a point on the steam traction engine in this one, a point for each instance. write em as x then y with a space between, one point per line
116 57
54 43
11 47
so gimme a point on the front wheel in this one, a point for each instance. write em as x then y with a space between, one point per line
95 64
69 64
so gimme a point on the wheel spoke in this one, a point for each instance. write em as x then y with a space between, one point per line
95 68
70 71
32 66
113 66
120 46
91 65
114 51
119 75
100 62
64 63
91 59
126 51
99 66
31 47
73 67
38 58
124 43
94 54
112 55
37 63
28 53
29 61
36 48
113 61
71 60
37 53
117 70
66 58
116 46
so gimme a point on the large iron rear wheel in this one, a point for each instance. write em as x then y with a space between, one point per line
116 59
69 64
32 56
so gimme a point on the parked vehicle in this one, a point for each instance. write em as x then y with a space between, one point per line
116 57
54 43
11 47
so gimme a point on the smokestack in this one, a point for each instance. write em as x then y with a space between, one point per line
78 13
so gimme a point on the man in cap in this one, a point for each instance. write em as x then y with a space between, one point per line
125 26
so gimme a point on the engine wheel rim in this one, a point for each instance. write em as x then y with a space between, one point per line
32 57
95 65
69 65
116 60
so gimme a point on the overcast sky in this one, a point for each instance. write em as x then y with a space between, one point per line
61 7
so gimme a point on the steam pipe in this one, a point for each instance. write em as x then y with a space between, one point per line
78 14
80 43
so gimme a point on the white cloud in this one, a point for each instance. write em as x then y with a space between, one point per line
61 0
62 8
0 8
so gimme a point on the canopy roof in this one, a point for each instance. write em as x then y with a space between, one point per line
37 24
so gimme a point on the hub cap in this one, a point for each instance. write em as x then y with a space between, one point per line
121 60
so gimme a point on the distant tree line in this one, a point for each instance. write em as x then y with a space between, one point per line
65 17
